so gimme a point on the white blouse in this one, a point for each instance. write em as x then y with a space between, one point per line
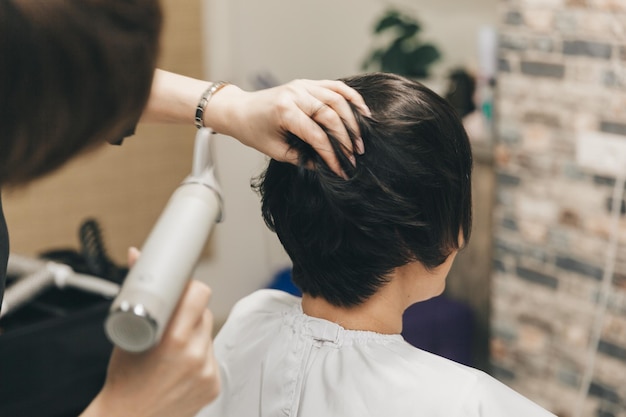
277 361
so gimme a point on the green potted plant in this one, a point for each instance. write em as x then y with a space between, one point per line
405 54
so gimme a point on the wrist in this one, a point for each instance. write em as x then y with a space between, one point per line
108 403
220 113
205 99
173 98
96 408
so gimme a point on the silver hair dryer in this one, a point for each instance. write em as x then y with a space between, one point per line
154 285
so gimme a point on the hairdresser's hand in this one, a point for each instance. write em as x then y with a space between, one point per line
176 378
260 119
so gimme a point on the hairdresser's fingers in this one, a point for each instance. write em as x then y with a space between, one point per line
133 255
348 93
206 325
199 344
308 130
188 313
336 115
210 369
205 331
332 111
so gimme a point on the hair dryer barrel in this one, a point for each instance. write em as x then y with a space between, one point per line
154 285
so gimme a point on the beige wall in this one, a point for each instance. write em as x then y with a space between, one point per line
313 39
125 187
329 38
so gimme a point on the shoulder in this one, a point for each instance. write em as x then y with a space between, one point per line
264 301
491 398
258 314
459 390
434 370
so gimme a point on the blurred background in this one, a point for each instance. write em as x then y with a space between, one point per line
536 299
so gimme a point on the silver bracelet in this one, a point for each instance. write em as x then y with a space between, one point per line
204 101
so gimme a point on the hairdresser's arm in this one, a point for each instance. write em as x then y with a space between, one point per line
260 119
176 378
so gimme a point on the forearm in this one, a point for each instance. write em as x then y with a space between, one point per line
99 408
118 407
173 98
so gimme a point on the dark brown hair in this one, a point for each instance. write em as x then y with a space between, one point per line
407 199
73 74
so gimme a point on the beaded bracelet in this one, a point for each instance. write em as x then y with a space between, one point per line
204 101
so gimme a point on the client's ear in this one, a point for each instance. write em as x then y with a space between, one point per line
461 241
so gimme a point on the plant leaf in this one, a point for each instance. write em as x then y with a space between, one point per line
404 54
426 53
373 59
421 58
391 19
409 30
394 60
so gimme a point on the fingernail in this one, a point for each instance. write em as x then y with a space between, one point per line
367 112
344 175
360 146
352 160
133 251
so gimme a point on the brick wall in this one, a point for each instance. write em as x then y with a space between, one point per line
562 69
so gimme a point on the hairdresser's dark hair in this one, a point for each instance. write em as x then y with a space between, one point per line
408 198
73 74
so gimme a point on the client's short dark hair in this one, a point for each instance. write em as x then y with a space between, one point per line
73 74
407 199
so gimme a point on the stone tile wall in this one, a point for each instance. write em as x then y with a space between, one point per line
562 69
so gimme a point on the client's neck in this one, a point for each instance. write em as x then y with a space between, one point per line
382 312
376 314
